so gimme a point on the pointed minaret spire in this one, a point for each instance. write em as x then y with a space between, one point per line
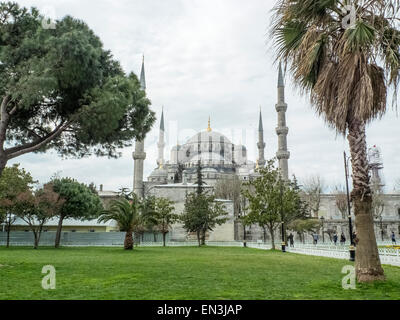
260 122
139 155
143 77
282 130
162 120
261 144
161 141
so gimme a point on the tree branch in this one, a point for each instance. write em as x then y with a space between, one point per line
36 145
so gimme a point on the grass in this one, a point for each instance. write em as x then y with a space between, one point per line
181 273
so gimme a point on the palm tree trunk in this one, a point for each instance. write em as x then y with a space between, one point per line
128 243
368 265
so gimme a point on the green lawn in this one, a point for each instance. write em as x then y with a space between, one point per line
181 273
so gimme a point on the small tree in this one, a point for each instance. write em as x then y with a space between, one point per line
303 226
13 182
341 201
149 215
81 203
202 213
165 217
230 188
128 216
313 187
36 208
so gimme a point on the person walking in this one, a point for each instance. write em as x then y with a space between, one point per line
335 238
342 239
393 238
291 240
315 238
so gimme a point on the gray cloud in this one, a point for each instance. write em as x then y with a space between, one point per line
207 58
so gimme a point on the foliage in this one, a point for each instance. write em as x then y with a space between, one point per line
128 216
81 203
60 89
164 216
302 226
272 201
202 214
13 181
38 207
80 200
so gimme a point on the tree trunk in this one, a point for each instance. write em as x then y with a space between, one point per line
155 237
8 235
3 162
198 237
36 235
271 231
264 235
164 236
58 234
368 265
203 237
128 243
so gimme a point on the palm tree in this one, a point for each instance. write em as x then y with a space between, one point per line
127 214
347 66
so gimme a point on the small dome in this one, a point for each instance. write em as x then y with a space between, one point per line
159 173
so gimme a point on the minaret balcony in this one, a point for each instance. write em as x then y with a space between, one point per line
281 107
261 145
282 130
281 154
139 155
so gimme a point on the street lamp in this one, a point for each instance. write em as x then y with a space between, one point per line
352 248
283 223
322 224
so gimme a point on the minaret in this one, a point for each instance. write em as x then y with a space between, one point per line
261 143
139 155
282 130
161 141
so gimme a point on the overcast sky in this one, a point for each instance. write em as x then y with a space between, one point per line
206 58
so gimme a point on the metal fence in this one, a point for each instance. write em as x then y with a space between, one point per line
389 256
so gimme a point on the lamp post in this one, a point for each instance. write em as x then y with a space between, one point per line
322 224
352 248
283 223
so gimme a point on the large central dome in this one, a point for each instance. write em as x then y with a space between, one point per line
212 149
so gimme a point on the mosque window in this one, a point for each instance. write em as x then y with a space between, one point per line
398 212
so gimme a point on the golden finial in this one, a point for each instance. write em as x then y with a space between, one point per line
209 124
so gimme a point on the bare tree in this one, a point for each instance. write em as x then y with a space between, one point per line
230 188
341 201
378 205
313 188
